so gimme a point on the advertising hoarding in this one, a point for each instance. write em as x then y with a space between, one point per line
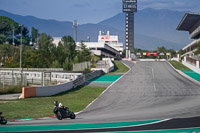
129 5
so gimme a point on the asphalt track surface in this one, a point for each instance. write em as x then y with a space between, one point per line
149 91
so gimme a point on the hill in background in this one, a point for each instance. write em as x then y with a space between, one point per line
153 28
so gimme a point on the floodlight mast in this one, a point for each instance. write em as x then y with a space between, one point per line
129 7
75 26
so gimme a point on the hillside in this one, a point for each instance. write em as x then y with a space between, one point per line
152 28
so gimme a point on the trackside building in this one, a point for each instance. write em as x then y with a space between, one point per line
107 45
191 23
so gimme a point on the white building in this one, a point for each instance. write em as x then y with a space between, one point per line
111 40
107 45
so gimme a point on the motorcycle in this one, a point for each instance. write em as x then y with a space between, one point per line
3 121
64 112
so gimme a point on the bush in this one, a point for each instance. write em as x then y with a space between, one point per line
10 89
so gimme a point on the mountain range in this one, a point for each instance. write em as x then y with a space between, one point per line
153 28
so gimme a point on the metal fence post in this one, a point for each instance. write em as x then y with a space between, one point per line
3 80
12 78
0 80
43 84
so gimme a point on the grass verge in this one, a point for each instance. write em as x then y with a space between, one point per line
120 68
76 99
178 65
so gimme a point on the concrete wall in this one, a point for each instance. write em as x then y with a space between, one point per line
46 90
108 69
53 90
194 68
111 65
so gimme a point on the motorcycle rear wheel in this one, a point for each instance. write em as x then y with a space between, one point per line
3 121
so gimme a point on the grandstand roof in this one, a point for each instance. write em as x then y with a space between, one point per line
190 22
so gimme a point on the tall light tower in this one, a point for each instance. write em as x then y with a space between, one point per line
13 35
21 49
129 7
75 26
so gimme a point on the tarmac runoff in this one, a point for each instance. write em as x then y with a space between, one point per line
103 81
189 74
193 75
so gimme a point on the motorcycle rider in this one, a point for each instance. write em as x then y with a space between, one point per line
56 103
62 109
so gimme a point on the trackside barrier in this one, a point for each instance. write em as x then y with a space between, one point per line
105 65
46 90
81 79
28 92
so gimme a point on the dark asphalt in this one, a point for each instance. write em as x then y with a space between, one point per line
151 90
179 123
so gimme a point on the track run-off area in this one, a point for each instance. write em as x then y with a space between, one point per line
151 97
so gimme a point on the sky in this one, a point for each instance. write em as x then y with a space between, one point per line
88 11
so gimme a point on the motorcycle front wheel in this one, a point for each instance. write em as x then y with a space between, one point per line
58 116
72 116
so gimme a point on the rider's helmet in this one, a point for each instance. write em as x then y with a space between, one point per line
60 105
56 103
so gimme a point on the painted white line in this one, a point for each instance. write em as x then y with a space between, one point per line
105 90
154 85
151 123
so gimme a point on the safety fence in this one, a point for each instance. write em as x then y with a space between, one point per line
11 77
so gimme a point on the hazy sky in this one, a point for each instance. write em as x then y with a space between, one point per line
88 11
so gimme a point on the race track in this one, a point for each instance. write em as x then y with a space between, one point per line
149 91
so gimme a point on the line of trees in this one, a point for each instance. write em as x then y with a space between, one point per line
46 55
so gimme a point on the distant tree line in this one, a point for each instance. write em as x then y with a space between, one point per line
45 55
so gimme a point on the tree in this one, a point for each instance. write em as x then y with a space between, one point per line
181 52
45 44
198 49
161 49
25 36
60 54
55 64
34 35
173 52
69 51
30 57
6 29
67 65
85 54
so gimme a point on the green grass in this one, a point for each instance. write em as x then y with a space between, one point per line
120 68
178 65
76 99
